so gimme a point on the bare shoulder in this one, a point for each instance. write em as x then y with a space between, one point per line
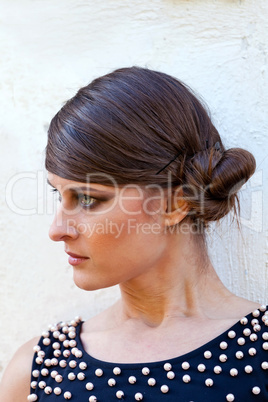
15 384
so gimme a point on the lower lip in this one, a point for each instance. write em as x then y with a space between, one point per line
76 260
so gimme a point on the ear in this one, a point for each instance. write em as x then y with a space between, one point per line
176 208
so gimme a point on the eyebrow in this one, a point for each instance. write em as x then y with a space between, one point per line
83 188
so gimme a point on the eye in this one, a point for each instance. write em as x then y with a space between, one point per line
86 201
55 191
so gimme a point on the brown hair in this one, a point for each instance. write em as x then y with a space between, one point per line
132 122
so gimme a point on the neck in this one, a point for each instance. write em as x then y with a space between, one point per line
183 284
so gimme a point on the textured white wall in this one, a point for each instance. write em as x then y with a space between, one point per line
48 49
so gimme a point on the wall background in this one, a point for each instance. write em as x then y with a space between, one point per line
48 50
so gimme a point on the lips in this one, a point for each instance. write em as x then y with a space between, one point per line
76 259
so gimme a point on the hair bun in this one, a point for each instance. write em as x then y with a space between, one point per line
216 178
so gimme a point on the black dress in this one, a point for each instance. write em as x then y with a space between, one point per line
231 367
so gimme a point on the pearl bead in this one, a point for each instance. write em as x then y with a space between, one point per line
36 348
256 313
239 355
170 375
254 322
223 345
209 382
72 343
207 354
132 379
98 372
241 341
54 361
262 308
39 360
223 358
164 389
72 364
41 354
54 373
201 368
151 382
265 345
82 365
89 386
48 390
78 354
35 373
72 334
46 341
44 372
74 350
234 372
56 345
45 334
264 365
252 351
256 390
265 336
42 384
111 382
58 378
67 395
32 397
244 321
230 398
217 369
257 328
120 394
66 343
185 365
167 366
138 396
33 384
145 371
62 337
57 391
253 337
71 376
92 398
63 363
81 376
231 334
66 353
117 371
248 369
247 332
57 353
186 378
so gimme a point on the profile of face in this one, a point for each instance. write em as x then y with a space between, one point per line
112 234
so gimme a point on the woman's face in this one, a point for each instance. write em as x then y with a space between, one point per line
112 234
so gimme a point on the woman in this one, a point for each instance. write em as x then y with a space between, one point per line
141 171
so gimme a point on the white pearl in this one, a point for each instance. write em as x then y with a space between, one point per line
256 390
41 354
254 322
186 378
265 345
185 365
45 334
265 336
246 331
132 379
145 371
170 375
248 369
151 382
252 351
111 382
239 355
207 354
71 376
54 373
92 398
65 329
74 350
167 366
62 337
262 308
32 397
54 361
230 398
42 384
72 334
223 345
138 396
46 341
81 376
244 321
39 360
89 386
217 369
78 354
36 348
66 343
63 363
241 341
256 313
82 365
67 395
164 389
57 391
56 345
231 334
58 378
66 353
35 373
72 364
117 370
253 337
120 394
209 382
223 358
57 353
257 328
98 372
264 365
33 384
48 390
201 368
234 372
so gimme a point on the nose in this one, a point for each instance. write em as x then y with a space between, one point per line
62 227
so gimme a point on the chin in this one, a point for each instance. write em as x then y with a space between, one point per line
90 285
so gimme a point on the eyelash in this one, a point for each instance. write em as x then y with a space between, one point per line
79 197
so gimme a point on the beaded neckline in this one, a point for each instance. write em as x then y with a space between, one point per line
159 363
